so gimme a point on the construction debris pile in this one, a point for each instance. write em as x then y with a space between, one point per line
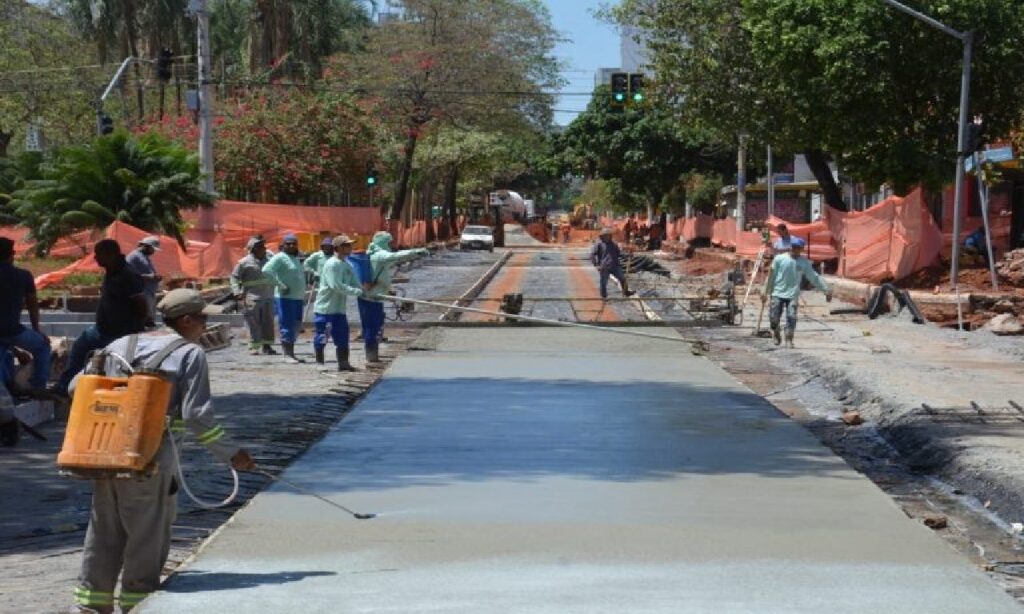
1011 268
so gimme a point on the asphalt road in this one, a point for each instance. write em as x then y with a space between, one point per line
540 470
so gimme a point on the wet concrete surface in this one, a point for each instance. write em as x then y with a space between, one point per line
528 470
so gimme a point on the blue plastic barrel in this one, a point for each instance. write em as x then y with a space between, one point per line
360 261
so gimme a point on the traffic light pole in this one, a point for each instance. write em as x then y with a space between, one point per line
741 184
967 38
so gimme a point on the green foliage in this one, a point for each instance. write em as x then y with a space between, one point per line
143 181
703 191
876 88
645 149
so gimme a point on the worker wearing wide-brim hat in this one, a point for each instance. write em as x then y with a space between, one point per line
338 281
129 533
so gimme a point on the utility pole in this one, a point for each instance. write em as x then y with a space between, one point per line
967 38
741 184
202 13
771 184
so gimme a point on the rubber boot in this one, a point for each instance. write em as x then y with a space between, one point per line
319 354
789 339
372 353
289 353
343 363
268 350
777 335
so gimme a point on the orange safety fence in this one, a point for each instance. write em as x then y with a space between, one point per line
197 259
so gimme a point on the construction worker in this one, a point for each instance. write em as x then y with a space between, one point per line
139 260
605 256
338 281
129 532
371 308
20 293
255 291
289 291
123 310
315 262
788 270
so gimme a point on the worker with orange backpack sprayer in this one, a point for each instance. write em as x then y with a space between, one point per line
129 532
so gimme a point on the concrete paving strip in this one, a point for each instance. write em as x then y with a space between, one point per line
565 471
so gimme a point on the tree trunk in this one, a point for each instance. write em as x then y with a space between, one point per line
402 189
5 140
817 161
451 184
132 35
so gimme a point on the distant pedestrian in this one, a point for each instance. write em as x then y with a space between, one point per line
289 292
338 281
788 271
255 291
371 309
140 261
566 232
19 292
605 256
123 309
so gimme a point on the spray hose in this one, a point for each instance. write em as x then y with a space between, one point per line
184 485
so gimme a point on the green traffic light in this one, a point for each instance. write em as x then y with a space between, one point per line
371 181
620 97
638 97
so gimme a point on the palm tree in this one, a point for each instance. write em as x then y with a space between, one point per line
145 182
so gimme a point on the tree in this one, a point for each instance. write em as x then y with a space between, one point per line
468 63
645 149
145 182
851 80
40 78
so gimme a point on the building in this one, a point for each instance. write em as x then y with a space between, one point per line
633 53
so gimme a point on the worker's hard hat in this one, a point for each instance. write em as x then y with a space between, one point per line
151 241
181 302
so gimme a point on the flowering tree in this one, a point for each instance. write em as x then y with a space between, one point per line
288 145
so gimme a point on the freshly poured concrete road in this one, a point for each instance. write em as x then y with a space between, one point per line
552 470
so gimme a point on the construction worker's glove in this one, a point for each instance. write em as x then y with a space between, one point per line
283 288
828 296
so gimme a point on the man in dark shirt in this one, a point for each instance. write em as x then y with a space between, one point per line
19 291
123 310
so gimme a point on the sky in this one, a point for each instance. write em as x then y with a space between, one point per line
591 44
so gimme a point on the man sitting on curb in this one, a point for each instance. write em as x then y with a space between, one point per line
19 292
788 270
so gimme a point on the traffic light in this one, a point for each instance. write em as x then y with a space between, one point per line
371 175
975 137
105 125
620 88
636 88
164 61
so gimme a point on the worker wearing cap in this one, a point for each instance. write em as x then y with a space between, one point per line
338 281
140 261
289 291
255 291
788 271
605 256
314 264
371 309
129 532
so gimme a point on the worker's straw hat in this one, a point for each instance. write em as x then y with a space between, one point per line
341 240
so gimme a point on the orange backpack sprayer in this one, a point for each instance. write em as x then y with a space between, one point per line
116 424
